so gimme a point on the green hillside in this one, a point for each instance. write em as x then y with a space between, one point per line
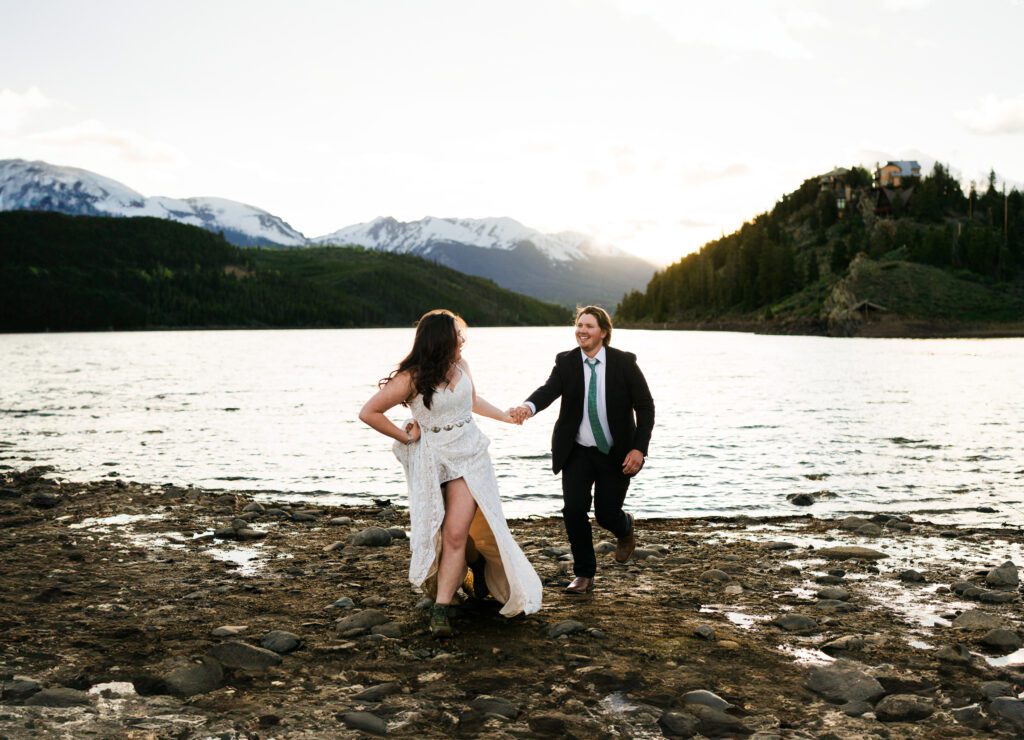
78 273
843 256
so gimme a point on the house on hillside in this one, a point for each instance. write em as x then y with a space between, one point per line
835 182
896 174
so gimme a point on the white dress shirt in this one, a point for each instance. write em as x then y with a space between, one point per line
585 434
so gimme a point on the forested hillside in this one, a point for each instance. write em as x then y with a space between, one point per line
789 265
78 273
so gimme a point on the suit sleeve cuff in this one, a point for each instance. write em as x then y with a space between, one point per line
529 405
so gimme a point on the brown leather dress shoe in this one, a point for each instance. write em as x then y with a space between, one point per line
580 585
625 545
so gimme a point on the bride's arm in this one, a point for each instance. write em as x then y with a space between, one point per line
397 390
484 407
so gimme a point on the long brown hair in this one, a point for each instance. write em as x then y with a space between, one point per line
433 352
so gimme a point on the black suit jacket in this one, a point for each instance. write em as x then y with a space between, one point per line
628 400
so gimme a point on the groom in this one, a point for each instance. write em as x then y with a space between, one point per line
600 438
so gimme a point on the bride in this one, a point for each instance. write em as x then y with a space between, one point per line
454 504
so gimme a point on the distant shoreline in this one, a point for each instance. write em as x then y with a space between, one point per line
896 328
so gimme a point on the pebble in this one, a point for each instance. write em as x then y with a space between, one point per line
796 623
229 630
844 681
675 723
778 545
956 654
397 533
334 546
869 530
706 698
903 708
253 508
303 516
853 523
789 570
800 499
705 632
1005 576
195 678
604 547
911 576
495 705
834 593
366 722
565 627
716 723
1002 639
340 520
281 642
856 708
241 655
715 576
58 697
828 580
344 603
388 629
362 620
846 643
379 692
372 537
850 552
997 597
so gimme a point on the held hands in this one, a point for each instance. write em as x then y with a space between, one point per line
633 462
520 414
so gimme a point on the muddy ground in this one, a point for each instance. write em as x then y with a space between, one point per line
110 593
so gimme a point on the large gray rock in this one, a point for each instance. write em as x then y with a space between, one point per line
241 655
1002 639
850 552
195 678
994 689
362 620
372 537
495 705
956 654
59 697
1009 709
1005 576
834 593
365 722
844 644
903 708
853 523
19 688
715 576
281 642
843 681
977 620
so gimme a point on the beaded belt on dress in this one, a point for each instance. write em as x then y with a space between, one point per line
449 427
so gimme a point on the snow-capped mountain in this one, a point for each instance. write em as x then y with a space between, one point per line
567 267
38 186
389 235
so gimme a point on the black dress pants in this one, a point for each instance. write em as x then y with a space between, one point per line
589 469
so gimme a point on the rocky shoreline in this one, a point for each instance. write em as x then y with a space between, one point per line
148 611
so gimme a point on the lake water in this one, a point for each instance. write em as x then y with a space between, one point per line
931 427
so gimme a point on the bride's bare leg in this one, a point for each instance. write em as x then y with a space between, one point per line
459 508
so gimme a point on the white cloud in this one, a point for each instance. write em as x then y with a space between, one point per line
897 6
995 116
768 26
16 108
94 136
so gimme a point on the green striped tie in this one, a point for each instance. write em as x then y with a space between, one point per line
595 421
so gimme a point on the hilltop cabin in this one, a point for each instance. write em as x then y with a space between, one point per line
835 182
894 186
894 174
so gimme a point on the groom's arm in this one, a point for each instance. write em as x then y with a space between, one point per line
544 396
643 406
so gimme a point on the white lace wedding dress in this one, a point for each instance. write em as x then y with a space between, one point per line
452 446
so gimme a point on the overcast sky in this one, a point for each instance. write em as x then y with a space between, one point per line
654 125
